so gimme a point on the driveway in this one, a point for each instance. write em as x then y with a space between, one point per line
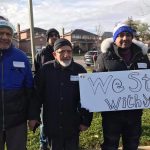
80 60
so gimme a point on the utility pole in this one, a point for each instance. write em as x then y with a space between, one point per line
31 33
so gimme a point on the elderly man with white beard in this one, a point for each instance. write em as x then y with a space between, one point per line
57 88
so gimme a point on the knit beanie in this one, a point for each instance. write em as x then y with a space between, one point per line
7 24
61 42
50 31
121 28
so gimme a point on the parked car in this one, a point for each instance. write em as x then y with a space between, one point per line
90 56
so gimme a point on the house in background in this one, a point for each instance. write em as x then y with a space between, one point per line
22 39
106 35
82 39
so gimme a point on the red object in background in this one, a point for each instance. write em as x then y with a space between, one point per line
94 57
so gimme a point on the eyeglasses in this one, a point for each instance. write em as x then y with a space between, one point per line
62 52
52 35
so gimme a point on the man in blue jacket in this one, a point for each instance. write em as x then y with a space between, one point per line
16 84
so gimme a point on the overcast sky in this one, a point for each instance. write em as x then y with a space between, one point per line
75 14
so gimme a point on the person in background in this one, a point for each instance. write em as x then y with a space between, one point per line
94 58
16 91
117 54
57 88
43 56
46 54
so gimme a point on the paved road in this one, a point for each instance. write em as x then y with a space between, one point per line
141 148
80 60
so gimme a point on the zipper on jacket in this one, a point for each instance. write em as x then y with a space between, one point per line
2 81
132 61
128 66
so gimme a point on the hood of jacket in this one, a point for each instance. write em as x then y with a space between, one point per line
105 45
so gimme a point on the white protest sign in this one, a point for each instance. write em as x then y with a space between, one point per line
112 91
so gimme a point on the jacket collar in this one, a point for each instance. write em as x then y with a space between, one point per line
107 43
135 50
7 51
57 65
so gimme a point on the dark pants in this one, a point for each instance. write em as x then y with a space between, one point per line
15 138
116 126
43 138
60 143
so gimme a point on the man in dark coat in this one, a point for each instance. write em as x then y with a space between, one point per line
57 89
122 53
46 54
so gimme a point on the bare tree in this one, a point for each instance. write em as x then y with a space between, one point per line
142 30
99 30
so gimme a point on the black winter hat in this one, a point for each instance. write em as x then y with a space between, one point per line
50 31
61 42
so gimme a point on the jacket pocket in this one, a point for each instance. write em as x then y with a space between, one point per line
17 76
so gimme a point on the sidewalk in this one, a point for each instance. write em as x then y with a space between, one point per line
144 148
141 148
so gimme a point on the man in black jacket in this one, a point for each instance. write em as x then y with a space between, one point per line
57 88
122 53
46 54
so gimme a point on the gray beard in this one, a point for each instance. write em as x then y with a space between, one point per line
65 63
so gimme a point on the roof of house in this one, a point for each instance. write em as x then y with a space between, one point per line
35 29
107 35
81 32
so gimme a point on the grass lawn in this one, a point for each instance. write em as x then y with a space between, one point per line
92 138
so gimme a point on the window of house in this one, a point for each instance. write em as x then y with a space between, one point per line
77 36
86 37
42 34
36 33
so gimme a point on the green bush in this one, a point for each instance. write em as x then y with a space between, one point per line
33 140
145 138
92 138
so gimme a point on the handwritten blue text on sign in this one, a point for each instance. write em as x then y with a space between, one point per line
112 91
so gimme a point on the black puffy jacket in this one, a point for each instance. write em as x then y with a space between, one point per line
43 56
59 94
110 60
